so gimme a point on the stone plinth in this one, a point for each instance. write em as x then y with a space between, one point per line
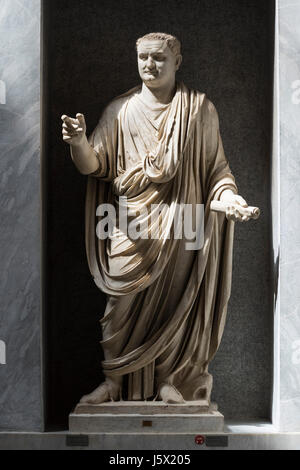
146 417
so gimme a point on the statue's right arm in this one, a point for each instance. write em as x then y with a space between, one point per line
83 155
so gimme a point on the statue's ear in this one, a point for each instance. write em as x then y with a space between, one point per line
178 61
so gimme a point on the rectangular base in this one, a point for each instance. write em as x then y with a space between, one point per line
146 407
149 417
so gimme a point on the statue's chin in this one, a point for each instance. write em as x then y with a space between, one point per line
149 78
151 81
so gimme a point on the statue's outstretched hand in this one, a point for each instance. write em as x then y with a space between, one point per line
74 130
236 206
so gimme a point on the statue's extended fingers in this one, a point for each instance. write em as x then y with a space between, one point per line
68 127
236 214
70 122
80 117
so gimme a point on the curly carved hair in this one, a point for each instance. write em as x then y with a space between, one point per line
172 42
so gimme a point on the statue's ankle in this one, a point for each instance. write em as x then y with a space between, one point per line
114 387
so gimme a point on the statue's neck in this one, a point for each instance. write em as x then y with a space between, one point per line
154 96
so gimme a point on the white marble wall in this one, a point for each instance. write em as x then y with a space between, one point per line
288 399
20 368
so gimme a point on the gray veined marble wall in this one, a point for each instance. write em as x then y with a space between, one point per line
20 367
288 358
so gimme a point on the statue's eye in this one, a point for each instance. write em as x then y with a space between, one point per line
143 56
159 57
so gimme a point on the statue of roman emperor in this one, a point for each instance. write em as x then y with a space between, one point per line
156 146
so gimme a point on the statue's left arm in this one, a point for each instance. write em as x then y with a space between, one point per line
220 181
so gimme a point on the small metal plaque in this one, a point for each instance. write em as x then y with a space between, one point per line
77 440
216 441
147 424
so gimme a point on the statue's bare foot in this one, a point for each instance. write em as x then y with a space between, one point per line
169 394
107 391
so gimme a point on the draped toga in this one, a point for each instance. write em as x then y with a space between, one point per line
166 306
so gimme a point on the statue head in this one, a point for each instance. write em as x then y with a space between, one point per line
159 58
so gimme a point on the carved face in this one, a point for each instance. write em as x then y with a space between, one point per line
156 62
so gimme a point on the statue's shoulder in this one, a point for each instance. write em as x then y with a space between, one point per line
112 110
207 110
200 95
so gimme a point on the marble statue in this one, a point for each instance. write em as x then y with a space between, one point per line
158 145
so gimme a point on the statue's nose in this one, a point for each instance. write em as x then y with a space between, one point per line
150 63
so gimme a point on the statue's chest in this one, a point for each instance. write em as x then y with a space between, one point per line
140 132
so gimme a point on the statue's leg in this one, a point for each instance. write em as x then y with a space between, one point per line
111 388
167 390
